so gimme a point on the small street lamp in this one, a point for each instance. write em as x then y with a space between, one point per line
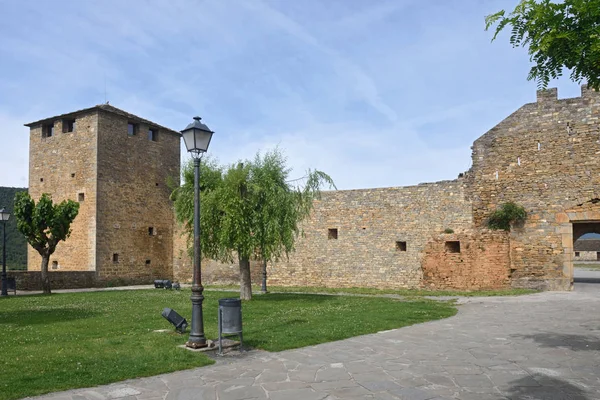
4 216
196 137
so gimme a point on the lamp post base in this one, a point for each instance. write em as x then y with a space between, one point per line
196 345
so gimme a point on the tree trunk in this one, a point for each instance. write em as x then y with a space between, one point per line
45 277
245 281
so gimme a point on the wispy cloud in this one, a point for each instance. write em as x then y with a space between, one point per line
380 93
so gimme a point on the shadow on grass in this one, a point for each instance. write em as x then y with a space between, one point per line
37 317
550 388
573 342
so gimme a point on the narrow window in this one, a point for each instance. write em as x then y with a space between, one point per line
539 146
54 264
401 246
41 179
48 130
453 247
332 233
73 175
132 129
69 125
81 197
147 262
116 258
518 160
576 254
153 134
151 231
496 175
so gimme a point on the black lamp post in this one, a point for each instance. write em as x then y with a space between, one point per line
4 216
197 138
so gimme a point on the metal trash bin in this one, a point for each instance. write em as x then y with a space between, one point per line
230 320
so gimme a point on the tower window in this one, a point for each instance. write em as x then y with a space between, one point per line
54 264
116 258
48 130
73 175
401 246
41 179
147 262
69 125
80 197
153 134
453 246
151 231
132 129
332 233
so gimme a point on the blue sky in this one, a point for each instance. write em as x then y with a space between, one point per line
376 93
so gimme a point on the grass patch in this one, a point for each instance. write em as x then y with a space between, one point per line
590 266
64 341
399 292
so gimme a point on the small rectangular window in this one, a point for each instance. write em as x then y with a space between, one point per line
48 130
116 258
41 179
332 233
147 262
576 254
153 134
132 129
401 246
69 125
54 264
80 197
151 231
73 175
453 247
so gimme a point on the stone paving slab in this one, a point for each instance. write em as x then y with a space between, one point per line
544 346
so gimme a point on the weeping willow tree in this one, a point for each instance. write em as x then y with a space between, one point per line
249 210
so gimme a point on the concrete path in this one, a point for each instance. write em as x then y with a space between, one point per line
543 346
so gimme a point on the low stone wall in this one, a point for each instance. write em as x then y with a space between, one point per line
32 280
469 261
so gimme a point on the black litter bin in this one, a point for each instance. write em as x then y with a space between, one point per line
230 319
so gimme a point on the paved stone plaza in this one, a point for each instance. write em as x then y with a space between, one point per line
543 346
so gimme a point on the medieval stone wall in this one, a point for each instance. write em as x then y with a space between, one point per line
64 165
373 237
545 158
477 260
135 217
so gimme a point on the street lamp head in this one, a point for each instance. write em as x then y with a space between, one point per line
196 137
4 214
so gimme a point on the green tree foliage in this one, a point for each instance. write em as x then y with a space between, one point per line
248 210
559 35
508 214
44 225
16 245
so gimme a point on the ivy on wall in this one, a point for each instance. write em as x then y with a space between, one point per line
506 215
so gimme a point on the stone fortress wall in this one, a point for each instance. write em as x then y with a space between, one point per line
544 157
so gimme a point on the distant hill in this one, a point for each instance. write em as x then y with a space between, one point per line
16 245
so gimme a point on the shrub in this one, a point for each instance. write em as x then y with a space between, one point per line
448 230
509 213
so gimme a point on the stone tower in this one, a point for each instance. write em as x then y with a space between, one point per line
117 166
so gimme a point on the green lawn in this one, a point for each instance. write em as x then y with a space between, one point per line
399 292
590 266
63 341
